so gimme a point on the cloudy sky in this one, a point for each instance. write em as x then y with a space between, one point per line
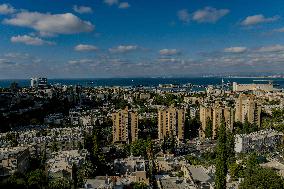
140 38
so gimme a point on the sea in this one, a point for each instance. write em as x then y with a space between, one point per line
149 82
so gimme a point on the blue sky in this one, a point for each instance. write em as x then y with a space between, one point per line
140 38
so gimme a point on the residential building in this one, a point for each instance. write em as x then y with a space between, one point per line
125 126
205 113
13 159
38 82
42 82
197 175
248 108
60 164
171 123
135 168
217 113
261 141
34 82
221 113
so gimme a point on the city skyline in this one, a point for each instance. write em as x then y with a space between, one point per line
117 38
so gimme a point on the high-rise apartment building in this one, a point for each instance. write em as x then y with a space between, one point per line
205 113
125 126
247 108
221 113
217 113
171 123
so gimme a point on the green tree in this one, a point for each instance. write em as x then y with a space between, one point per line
54 147
209 128
34 121
236 170
257 177
14 87
37 179
246 126
59 183
238 127
139 147
12 138
230 147
75 175
87 170
173 144
138 185
221 158
17 180
98 159
194 125
80 146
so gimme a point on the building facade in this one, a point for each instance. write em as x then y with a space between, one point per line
38 82
261 141
171 123
221 113
205 113
217 113
252 87
13 159
247 108
125 126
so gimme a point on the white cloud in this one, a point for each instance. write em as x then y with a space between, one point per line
257 19
17 56
111 2
123 48
209 15
80 62
169 52
28 40
124 5
82 9
183 15
84 47
50 24
235 49
6 9
5 62
273 48
280 30
169 60
205 15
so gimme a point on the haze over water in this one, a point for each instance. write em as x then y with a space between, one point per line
142 81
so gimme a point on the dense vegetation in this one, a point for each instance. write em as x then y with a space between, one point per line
274 121
258 177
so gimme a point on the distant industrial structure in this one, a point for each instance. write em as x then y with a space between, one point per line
267 87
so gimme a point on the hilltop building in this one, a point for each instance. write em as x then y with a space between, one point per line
252 87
